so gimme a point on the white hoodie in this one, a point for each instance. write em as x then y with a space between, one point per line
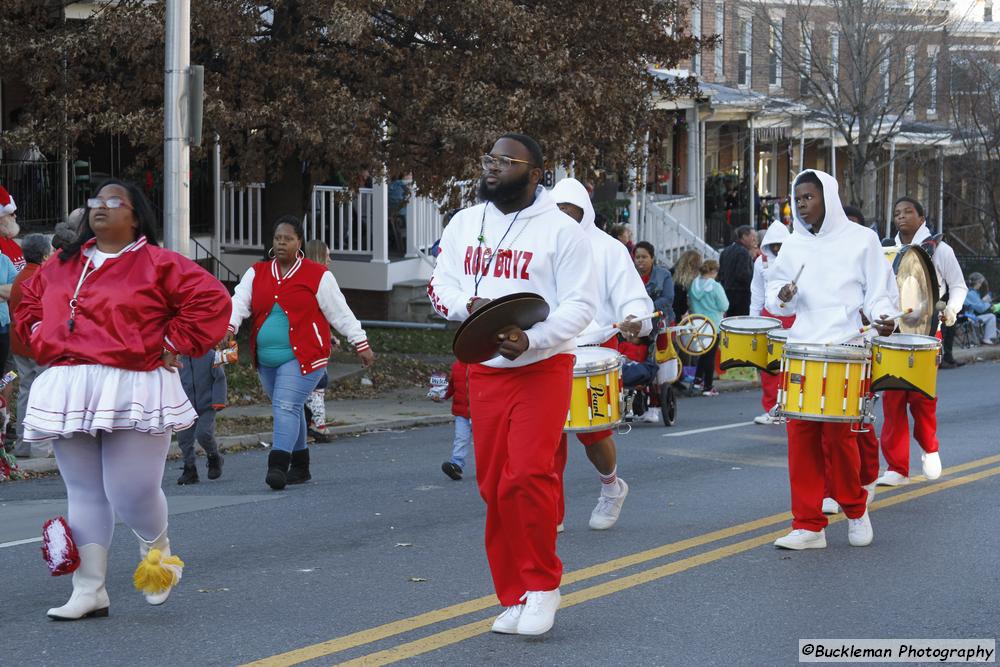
549 255
949 273
775 234
616 282
844 270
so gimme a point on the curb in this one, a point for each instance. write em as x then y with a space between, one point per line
229 442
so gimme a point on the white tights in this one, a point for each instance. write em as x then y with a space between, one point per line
116 472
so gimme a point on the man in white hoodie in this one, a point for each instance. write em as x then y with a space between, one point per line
843 273
769 247
621 297
519 241
908 216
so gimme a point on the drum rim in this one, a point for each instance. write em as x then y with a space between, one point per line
809 417
784 334
886 342
613 361
594 427
755 330
822 352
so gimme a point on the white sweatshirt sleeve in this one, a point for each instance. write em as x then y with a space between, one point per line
951 273
881 294
336 311
577 303
757 288
241 300
445 287
627 292
781 273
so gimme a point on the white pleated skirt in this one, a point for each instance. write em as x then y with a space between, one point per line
87 399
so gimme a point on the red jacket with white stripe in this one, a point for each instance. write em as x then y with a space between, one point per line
458 389
136 304
310 298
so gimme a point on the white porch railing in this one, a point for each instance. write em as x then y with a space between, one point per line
344 221
423 226
242 215
669 236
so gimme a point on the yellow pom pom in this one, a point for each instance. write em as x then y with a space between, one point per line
157 574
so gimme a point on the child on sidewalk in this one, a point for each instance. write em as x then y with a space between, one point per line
707 297
205 386
458 391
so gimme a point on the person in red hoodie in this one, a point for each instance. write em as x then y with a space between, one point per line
458 392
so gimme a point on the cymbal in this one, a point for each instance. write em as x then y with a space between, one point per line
918 289
476 340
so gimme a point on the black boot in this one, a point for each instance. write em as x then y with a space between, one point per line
299 472
277 469
189 476
215 462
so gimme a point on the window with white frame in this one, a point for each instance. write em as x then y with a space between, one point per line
744 54
883 70
835 61
806 59
696 31
932 79
720 30
774 46
911 77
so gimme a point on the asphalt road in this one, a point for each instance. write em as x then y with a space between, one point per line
380 558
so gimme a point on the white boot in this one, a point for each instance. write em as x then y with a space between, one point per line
163 544
89 598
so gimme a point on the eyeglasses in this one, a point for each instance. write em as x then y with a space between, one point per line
501 162
110 202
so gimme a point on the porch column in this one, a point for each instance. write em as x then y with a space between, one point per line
833 153
693 152
752 173
890 189
380 221
940 225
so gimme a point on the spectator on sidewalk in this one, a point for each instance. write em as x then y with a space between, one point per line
9 229
658 281
292 301
979 305
205 386
707 298
36 249
458 391
624 234
736 270
684 272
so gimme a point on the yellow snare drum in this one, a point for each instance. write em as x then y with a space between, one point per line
744 341
906 361
597 390
776 339
823 382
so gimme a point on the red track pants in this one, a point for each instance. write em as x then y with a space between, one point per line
808 444
867 450
518 417
896 429
768 382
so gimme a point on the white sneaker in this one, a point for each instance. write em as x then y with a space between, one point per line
608 508
892 478
651 416
561 528
870 488
765 418
859 531
801 538
931 465
539 612
830 506
506 623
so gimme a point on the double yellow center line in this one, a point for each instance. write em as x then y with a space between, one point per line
454 635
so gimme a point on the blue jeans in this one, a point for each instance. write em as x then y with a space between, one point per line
463 438
288 389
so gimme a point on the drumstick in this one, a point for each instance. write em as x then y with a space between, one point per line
796 280
894 316
644 318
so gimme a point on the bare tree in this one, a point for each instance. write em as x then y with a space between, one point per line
861 65
974 96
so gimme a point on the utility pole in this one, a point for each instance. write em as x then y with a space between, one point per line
176 149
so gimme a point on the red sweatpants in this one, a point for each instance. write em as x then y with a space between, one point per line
768 382
867 450
808 442
519 415
586 439
896 429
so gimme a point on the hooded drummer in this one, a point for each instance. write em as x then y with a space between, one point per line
829 272
770 246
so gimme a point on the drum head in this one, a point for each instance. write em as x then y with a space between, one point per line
746 324
476 340
825 352
778 334
907 342
918 289
595 360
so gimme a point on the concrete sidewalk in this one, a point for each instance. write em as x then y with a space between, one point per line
410 408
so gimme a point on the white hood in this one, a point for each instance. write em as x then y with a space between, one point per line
776 233
843 271
572 191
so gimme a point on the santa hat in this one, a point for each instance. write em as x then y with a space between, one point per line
6 202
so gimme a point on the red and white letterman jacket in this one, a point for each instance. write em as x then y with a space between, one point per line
312 301
140 301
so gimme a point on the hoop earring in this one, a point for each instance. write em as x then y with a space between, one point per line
300 254
270 253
